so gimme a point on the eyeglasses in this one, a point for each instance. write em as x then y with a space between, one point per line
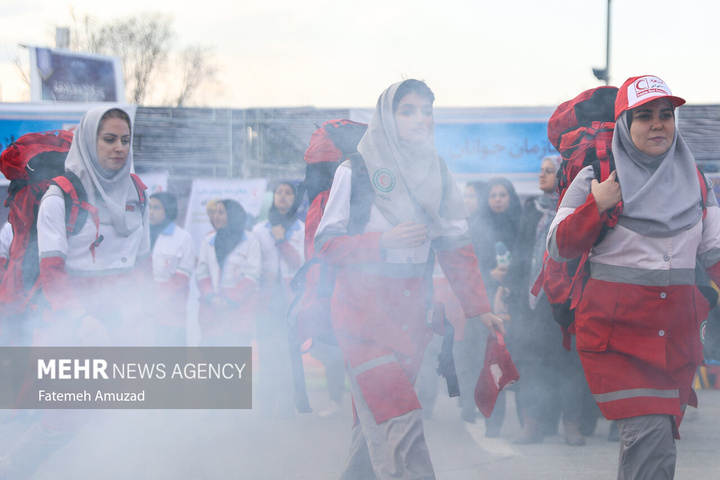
547 171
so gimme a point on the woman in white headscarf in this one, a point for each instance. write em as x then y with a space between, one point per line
91 277
637 324
383 234
93 273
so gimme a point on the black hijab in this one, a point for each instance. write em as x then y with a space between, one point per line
504 224
229 236
276 218
496 227
171 212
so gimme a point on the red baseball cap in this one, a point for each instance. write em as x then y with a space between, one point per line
637 91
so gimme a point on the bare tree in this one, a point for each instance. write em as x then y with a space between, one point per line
197 67
22 71
85 35
143 44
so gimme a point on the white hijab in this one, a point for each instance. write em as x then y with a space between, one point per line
661 196
411 182
109 191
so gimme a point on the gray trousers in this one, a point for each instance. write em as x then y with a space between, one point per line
647 448
394 449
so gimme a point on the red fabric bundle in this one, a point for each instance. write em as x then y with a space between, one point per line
497 374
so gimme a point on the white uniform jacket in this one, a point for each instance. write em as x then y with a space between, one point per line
243 263
173 253
70 268
273 260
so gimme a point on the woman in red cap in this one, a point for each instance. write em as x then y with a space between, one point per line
380 304
638 321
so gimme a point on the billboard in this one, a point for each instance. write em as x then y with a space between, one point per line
63 76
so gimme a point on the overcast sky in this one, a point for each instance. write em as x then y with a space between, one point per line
343 53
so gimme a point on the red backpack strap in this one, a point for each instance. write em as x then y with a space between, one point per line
77 207
535 290
140 187
703 190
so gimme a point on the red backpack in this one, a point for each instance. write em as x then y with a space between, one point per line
32 163
330 145
581 130
309 314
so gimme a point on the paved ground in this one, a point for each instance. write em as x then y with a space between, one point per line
209 445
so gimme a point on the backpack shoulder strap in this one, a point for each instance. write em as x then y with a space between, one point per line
76 204
361 196
603 167
140 187
703 190
77 207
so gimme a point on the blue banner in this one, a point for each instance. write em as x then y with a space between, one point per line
493 148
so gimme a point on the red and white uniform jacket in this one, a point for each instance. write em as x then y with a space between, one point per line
108 279
638 322
280 259
381 296
173 259
380 304
237 282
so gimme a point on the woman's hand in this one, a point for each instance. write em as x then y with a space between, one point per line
500 307
404 235
607 194
492 322
278 231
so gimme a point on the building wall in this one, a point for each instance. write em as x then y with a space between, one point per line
222 143
270 143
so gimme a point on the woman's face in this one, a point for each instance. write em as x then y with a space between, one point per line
653 127
471 199
284 198
499 199
157 211
414 118
547 176
210 210
113 144
219 216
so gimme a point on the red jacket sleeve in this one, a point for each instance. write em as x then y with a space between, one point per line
245 291
205 286
577 233
57 289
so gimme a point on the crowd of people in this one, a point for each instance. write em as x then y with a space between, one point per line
480 252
